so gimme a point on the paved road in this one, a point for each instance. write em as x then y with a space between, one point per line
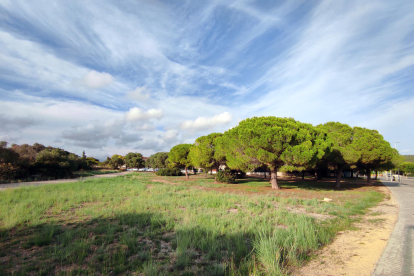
398 256
38 183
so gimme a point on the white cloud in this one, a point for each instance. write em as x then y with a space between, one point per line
96 80
170 136
137 114
138 94
207 122
145 127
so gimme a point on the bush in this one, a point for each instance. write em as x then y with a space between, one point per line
8 171
169 172
226 176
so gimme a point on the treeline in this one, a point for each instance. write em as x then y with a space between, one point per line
409 158
25 161
283 144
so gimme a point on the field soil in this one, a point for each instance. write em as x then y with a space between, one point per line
355 252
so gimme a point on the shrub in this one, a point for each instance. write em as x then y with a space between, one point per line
169 172
8 171
226 176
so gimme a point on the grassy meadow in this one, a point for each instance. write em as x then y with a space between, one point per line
93 172
141 224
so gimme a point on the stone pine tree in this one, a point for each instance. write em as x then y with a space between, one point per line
341 152
375 152
273 142
116 161
134 160
202 152
158 160
178 157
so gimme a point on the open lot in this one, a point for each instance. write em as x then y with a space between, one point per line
141 224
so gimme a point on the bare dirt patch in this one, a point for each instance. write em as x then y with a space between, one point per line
355 252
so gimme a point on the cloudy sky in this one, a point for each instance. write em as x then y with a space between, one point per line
118 76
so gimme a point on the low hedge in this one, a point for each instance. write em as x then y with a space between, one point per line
169 172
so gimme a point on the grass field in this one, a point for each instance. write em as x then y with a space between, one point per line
141 224
93 172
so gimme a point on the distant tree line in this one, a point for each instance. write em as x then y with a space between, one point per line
24 161
409 158
274 144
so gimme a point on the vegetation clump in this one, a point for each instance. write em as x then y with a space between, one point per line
226 176
169 172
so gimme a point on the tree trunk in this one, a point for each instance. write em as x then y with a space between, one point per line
265 174
303 175
273 178
369 176
205 171
186 172
319 174
338 177
352 173
376 175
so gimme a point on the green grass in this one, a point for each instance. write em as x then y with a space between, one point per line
131 225
93 172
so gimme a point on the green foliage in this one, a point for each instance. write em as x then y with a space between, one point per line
226 176
271 141
56 163
178 156
169 172
134 160
409 158
341 150
116 161
158 160
202 152
28 154
8 171
90 161
7 155
374 151
407 167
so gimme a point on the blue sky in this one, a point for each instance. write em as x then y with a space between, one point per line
118 76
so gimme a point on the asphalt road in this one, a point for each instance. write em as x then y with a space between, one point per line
38 183
398 255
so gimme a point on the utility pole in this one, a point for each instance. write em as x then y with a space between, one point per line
399 178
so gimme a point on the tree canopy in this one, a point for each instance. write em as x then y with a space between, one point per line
178 157
340 151
202 152
407 167
134 160
116 161
273 142
374 151
158 160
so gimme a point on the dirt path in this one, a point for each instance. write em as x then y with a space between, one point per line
355 252
38 183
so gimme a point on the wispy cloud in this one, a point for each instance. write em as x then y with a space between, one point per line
199 67
207 122
136 114
96 80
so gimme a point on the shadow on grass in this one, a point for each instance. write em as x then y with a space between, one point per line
309 184
138 242
150 244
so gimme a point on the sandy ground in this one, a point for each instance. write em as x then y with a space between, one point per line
356 252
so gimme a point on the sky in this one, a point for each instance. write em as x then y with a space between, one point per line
112 77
